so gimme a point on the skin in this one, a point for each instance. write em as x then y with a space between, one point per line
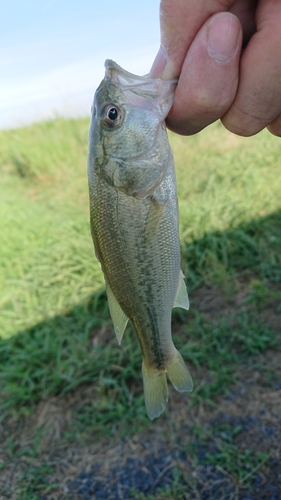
226 54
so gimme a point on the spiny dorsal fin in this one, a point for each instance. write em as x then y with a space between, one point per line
118 316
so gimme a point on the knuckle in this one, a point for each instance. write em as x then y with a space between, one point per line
242 122
275 127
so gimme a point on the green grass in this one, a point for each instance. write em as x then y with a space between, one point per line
220 446
51 296
47 257
54 358
55 331
229 197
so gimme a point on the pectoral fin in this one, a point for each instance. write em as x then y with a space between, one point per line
118 316
155 214
181 299
96 245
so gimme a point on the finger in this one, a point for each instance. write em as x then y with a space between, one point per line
275 126
209 76
245 11
180 20
258 100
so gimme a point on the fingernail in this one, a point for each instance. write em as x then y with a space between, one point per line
222 37
162 66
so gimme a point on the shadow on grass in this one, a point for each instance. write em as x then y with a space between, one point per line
249 248
63 352
79 347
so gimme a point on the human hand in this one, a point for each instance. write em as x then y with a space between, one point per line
201 44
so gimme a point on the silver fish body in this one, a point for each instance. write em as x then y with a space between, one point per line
134 221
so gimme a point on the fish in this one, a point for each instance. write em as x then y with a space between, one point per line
134 222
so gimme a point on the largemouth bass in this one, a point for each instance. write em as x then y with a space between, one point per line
134 221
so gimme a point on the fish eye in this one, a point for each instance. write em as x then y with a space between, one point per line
112 115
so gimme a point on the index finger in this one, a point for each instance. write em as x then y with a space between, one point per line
180 20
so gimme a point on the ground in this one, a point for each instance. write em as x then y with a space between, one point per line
225 448
72 418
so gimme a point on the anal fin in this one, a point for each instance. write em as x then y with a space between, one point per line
117 314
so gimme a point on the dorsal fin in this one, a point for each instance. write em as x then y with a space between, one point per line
181 299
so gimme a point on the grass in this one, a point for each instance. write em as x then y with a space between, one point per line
55 332
54 357
47 259
219 446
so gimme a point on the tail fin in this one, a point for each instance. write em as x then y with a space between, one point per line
178 374
155 390
155 384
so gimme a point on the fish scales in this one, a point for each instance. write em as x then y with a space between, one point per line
134 221
149 274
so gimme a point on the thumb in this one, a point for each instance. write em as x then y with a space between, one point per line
209 77
180 21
